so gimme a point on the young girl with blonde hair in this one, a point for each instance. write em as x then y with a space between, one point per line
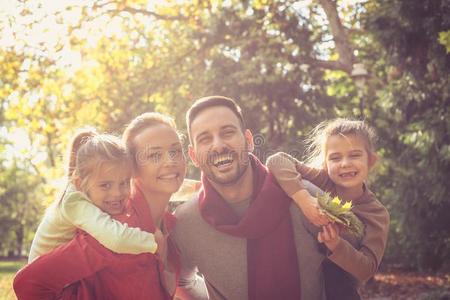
98 173
344 149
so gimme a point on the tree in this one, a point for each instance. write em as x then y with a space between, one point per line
416 95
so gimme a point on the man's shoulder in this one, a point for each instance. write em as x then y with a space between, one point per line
188 218
187 209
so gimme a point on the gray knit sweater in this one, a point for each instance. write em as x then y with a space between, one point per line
222 258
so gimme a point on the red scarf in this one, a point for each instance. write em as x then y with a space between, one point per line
137 200
272 267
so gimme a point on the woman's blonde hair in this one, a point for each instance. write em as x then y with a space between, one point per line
88 151
317 139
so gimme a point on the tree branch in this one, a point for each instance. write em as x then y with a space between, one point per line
133 10
340 35
326 64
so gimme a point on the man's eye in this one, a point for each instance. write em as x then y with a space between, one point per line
334 158
355 155
204 140
228 133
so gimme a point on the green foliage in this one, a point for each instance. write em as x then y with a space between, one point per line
20 207
413 121
8 269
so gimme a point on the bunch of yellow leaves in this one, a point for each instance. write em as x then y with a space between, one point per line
341 213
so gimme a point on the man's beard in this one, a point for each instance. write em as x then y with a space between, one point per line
241 159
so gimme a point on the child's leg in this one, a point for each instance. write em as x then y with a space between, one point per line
339 285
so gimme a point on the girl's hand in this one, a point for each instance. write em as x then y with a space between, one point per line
330 236
310 207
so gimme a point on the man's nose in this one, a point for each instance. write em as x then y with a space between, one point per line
218 144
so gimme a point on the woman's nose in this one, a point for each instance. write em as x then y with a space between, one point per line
173 157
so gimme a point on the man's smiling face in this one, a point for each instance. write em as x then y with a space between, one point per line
220 146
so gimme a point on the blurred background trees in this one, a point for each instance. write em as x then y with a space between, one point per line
288 64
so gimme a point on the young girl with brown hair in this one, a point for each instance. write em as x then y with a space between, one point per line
344 149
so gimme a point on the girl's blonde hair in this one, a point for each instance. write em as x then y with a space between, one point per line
88 151
317 139
139 124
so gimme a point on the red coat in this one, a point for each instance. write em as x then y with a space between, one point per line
85 270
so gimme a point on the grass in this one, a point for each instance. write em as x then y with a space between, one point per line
8 269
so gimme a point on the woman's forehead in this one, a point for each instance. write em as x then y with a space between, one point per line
159 136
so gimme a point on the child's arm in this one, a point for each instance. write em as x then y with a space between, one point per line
363 262
283 168
318 177
112 234
290 169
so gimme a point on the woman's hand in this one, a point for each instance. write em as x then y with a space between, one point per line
330 236
310 207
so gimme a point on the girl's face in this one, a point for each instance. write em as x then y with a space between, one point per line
347 160
109 189
161 165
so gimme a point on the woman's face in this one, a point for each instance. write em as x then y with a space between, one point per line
161 165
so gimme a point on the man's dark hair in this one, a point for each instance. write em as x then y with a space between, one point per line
212 101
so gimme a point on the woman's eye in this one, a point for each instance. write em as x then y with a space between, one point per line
175 153
154 157
334 158
355 155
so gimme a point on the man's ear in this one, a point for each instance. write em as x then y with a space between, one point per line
373 158
249 138
192 155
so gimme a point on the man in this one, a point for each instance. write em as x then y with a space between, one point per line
242 232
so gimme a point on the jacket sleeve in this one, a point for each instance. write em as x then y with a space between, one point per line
282 166
318 177
363 262
190 284
112 234
289 173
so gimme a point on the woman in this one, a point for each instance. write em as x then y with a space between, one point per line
84 269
